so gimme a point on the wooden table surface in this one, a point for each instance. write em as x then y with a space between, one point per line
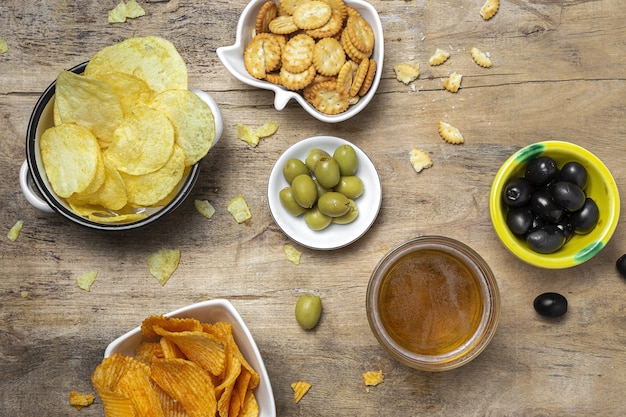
558 73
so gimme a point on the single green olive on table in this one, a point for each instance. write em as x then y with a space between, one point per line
308 310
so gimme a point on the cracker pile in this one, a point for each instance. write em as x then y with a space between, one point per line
321 48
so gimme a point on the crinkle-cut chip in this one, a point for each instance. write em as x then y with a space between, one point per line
188 384
131 91
299 389
293 255
267 129
420 159
439 57
170 406
247 134
283 25
238 394
481 58
373 378
311 14
330 28
406 73
297 55
136 384
205 349
163 263
86 280
148 352
4 47
110 195
239 209
71 158
328 56
329 98
450 133
170 349
151 58
267 13
360 33
80 400
192 119
250 406
171 324
15 230
105 379
453 82
224 391
89 102
143 142
489 9
204 207
149 189
262 55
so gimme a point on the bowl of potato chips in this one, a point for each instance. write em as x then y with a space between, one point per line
115 143
327 56
201 360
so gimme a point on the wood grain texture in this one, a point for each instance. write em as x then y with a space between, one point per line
558 73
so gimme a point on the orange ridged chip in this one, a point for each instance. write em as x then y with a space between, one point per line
170 349
224 331
171 324
148 352
200 347
300 388
135 384
79 400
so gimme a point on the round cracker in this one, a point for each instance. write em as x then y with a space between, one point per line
311 14
328 98
328 56
298 53
268 12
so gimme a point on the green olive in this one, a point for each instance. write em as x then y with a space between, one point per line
350 216
320 190
292 168
304 191
314 156
347 159
289 202
316 220
351 186
333 204
327 172
308 310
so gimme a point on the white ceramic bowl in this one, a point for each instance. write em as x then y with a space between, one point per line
232 58
210 312
43 198
336 235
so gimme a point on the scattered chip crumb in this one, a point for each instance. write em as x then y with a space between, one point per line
86 280
163 263
373 378
439 57
129 10
453 82
239 209
293 254
406 73
481 58
14 233
79 400
24 294
489 9
420 159
450 133
205 208
299 389
4 47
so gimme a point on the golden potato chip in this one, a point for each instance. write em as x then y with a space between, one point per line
105 379
15 231
71 158
131 91
188 384
134 10
148 352
153 59
299 389
4 48
224 391
170 350
247 134
118 218
238 208
86 280
293 254
171 324
110 195
266 129
250 406
163 263
238 396
143 141
88 102
79 400
118 14
135 383
205 349
192 119
205 208
373 378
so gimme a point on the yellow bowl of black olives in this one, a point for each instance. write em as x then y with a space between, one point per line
554 204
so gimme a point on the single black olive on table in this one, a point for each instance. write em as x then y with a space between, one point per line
568 195
541 170
550 304
574 172
621 265
546 239
517 192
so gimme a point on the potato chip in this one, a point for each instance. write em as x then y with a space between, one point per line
148 352
373 378
135 383
225 390
111 194
118 218
163 263
105 379
250 406
4 48
204 207
299 389
15 231
88 102
130 90
79 400
293 254
134 10
171 324
118 14
86 280
153 59
170 350
71 158
192 119
247 134
238 208
266 129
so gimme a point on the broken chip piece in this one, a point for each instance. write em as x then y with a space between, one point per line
129 10
299 389
15 231
163 263
293 254
239 209
373 378
79 400
3 46
420 159
205 208
86 280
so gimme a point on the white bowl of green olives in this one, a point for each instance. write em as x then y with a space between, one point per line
554 204
324 192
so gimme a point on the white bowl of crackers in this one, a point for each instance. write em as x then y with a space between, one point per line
115 143
327 55
198 360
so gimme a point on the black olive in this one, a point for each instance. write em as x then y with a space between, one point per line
550 304
541 170
517 192
621 265
544 206
567 227
568 195
574 172
586 218
520 220
546 239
